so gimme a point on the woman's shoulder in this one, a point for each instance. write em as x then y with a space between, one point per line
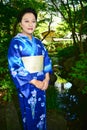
17 38
39 42
14 37
15 41
37 39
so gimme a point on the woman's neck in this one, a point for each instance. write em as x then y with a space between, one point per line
28 35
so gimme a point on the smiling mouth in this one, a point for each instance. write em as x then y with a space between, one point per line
30 28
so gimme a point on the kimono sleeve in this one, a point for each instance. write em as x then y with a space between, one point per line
47 62
19 74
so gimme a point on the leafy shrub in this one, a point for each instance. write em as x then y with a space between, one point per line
80 71
66 52
6 84
52 97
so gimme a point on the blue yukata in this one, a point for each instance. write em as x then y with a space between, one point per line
32 100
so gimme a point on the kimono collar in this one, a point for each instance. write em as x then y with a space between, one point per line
32 43
20 35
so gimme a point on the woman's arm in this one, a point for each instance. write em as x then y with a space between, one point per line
43 85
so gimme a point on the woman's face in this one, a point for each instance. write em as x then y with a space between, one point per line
28 24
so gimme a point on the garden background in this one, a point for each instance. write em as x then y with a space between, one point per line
62 27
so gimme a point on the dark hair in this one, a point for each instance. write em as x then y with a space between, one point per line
24 11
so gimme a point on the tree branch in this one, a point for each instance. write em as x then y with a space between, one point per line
48 29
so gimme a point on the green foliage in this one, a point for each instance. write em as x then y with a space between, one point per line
7 85
79 71
74 13
62 29
52 97
66 52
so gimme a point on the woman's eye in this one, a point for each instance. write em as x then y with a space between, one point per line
33 21
26 21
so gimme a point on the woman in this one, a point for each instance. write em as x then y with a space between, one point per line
30 66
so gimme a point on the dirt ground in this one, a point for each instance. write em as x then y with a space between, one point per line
55 121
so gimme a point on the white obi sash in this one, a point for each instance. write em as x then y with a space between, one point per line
33 63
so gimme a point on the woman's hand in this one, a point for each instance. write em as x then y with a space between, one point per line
46 83
39 84
43 85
